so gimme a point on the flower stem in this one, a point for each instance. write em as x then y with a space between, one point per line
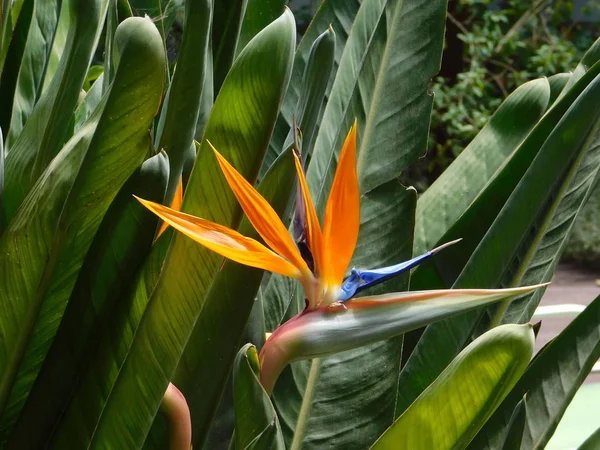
304 413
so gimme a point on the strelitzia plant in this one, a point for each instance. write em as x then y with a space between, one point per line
333 320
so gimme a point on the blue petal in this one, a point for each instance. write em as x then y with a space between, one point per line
362 279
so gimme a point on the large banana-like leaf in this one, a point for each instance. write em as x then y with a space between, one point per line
393 51
448 198
311 98
180 112
549 383
40 266
46 128
14 56
511 241
337 14
58 44
121 244
257 15
449 412
33 65
226 27
121 412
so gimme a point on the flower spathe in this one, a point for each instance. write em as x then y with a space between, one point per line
326 325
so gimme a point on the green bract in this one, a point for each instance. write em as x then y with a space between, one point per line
113 334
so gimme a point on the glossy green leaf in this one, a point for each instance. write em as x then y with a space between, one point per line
531 237
46 129
122 242
41 264
256 423
89 104
550 383
315 80
226 28
58 44
390 56
178 122
108 65
241 132
557 85
591 57
337 14
452 193
450 411
33 65
258 14
14 56
516 425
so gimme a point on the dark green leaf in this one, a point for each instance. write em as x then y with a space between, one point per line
501 235
592 442
178 121
122 242
256 423
41 261
258 14
241 131
46 129
33 66
337 14
226 27
516 425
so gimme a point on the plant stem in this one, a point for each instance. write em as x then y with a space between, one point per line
302 422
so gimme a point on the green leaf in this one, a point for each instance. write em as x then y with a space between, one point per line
550 382
226 28
258 14
557 84
89 103
33 65
450 411
514 435
241 132
539 230
315 80
41 263
58 44
122 242
256 423
178 120
591 57
337 14
383 79
14 57
46 129
461 183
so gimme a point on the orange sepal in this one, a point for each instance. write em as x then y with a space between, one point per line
262 216
342 214
175 204
224 241
313 229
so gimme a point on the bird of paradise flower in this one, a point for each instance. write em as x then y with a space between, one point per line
333 319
